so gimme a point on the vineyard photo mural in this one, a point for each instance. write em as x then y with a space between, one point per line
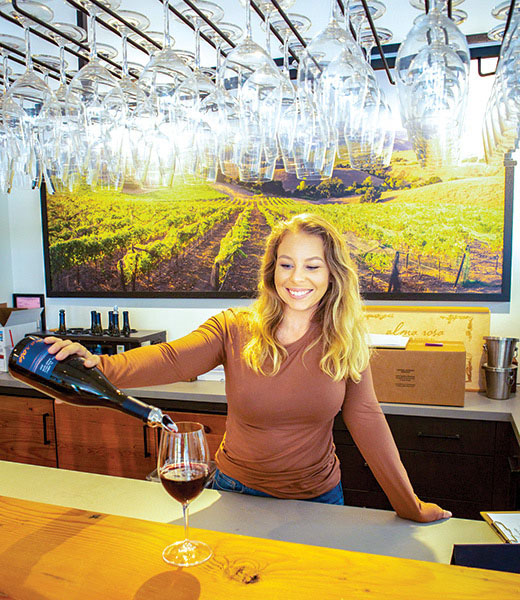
413 234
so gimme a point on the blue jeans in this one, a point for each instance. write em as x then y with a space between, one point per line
228 484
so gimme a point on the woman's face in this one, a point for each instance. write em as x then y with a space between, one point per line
301 274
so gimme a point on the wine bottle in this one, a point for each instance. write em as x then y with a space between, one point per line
110 329
116 331
126 331
62 327
99 327
69 380
93 322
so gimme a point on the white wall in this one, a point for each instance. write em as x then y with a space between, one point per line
22 271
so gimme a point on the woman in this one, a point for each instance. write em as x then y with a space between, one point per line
293 360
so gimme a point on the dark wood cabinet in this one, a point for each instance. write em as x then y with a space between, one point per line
101 440
465 466
27 430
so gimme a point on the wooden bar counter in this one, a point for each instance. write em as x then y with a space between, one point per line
67 535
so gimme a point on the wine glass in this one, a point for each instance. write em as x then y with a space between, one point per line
23 104
184 468
136 103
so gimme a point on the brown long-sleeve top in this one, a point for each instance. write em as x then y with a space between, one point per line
279 428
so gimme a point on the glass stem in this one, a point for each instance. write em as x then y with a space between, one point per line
333 8
268 32
218 62
28 56
124 39
63 76
186 517
286 55
197 43
92 32
5 70
248 19
166 24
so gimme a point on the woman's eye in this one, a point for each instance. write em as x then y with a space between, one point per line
312 267
285 265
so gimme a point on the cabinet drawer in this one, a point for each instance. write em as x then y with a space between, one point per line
27 430
435 434
463 477
101 440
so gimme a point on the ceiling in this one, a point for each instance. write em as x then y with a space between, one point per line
398 18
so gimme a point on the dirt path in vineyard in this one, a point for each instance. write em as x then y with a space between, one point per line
191 271
242 276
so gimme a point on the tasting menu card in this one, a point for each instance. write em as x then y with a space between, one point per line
505 523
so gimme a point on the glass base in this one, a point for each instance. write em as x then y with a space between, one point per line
187 553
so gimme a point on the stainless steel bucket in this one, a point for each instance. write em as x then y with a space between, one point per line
500 351
499 381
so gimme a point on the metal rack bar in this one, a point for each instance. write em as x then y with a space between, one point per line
273 30
211 24
378 41
21 60
113 14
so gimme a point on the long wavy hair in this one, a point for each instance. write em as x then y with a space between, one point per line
343 336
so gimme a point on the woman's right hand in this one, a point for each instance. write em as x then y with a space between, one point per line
63 348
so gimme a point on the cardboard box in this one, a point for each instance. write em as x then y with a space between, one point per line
15 323
421 374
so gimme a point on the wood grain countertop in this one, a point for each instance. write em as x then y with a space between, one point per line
50 552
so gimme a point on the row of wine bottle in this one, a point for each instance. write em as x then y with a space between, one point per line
70 381
95 323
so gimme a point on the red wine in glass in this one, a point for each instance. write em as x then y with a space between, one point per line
184 481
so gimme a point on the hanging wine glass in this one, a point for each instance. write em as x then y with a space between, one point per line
8 147
289 109
138 110
220 109
96 103
63 167
432 77
198 150
160 79
23 104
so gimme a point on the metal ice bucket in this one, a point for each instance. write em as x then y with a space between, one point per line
499 381
500 351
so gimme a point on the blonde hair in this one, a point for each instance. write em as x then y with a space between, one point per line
345 351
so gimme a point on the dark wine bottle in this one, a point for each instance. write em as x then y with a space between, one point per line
69 380
126 331
116 331
62 327
99 327
110 329
93 322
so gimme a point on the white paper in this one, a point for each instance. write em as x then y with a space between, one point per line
382 340
508 524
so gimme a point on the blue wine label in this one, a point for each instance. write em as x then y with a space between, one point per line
36 359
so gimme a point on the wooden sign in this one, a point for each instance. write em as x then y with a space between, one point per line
437 324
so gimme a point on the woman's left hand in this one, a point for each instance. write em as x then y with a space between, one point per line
428 512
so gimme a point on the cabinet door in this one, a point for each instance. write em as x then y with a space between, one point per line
214 426
102 440
27 430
